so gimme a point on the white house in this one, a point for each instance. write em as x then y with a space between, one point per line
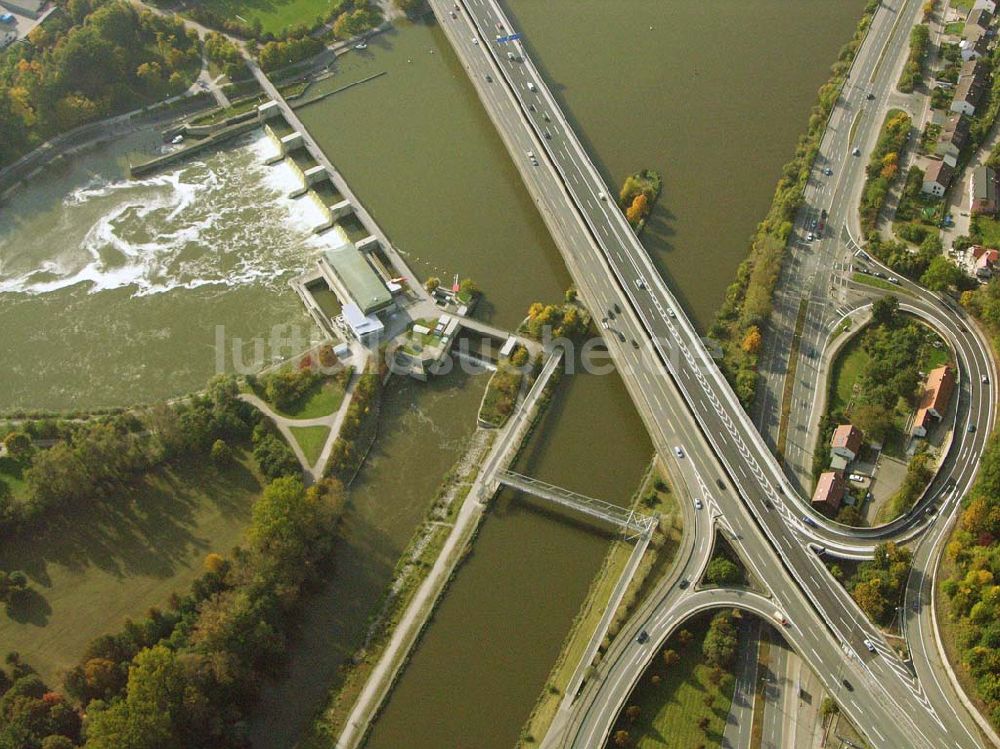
937 177
987 5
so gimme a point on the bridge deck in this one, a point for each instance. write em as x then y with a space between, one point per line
623 517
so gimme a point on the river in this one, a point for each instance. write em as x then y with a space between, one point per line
714 97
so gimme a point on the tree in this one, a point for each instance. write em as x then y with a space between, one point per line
703 724
632 712
868 596
941 273
752 340
670 657
884 310
722 571
638 209
409 7
622 738
19 446
221 454
432 283
684 637
874 419
719 646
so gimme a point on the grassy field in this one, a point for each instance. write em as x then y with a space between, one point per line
990 230
311 440
878 283
322 400
93 568
846 369
10 474
274 15
670 710
955 29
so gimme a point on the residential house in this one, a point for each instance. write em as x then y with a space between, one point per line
983 190
972 84
937 177
7 36
977 24
829 491
954 137
973 49
989 5
983 261
937 394
846 442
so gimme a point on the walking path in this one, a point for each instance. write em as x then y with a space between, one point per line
334 421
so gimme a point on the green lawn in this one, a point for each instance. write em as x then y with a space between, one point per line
955 29
322 400
846 368
94 567
878 283
989 228
274 15
311 440
670 710
962 6
10 474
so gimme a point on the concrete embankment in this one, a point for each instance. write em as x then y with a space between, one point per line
220 136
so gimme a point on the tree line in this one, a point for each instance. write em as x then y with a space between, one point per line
749 298
91 59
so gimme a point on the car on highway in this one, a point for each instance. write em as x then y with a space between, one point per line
617 307
972 428
870 97
870 645
611 313
679 451
532 158
721 484
643 637
809 521
683 584
475 40
453 14
780 618
893 279
532 86
671 312
604 323
510 56
697 504
856 151
931 510
985 380
847 685
640 284
828 172
635 343
489 78
602 197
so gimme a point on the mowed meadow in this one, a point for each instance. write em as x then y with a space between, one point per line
93 567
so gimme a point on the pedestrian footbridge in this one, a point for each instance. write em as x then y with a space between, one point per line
631 522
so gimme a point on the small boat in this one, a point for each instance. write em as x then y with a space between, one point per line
361 45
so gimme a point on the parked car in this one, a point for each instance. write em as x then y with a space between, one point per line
856 477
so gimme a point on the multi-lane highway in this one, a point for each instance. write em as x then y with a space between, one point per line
695 421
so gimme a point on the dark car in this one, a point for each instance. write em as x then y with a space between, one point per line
721 484
643 637
683 585
848 686
617 308
972 428
809 521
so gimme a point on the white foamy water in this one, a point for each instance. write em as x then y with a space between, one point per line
225 220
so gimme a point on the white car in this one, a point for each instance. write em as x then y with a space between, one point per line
780 618
679 451
810 237
697 504
856 477
475 40
870 645
531 86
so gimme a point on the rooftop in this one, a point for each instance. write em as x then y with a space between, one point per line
829 489
847 436
358 277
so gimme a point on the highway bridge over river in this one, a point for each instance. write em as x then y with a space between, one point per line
686 403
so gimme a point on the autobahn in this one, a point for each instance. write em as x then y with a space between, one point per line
672 378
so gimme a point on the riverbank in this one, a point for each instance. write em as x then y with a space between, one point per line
749 298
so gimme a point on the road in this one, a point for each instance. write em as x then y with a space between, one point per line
686 404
